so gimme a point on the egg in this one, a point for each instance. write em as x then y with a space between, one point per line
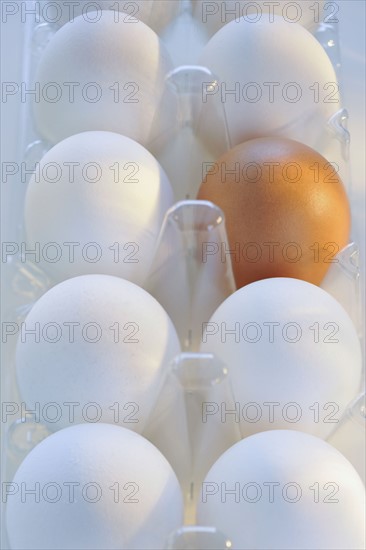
95 204
107 75
284 489
100 487
94 349
215 14
293 356
287 212
155 13
272 79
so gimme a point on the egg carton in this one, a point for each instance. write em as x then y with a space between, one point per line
195 377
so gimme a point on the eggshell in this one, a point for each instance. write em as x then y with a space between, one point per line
285 490
114 73
215 14
105 193
155 13
286 209
293 355
109 488
272 79
99 340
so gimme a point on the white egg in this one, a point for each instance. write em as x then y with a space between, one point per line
155 13
106 194
101 487
273 79
215 14
284 489
107 75
99 352
293 355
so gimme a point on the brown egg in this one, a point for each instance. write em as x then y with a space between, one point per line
287 212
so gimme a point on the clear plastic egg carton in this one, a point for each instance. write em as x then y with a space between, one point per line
189 288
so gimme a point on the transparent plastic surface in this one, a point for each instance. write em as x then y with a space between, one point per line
197 383
22 436
198 538
187 276
342 281
186 149
349 435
